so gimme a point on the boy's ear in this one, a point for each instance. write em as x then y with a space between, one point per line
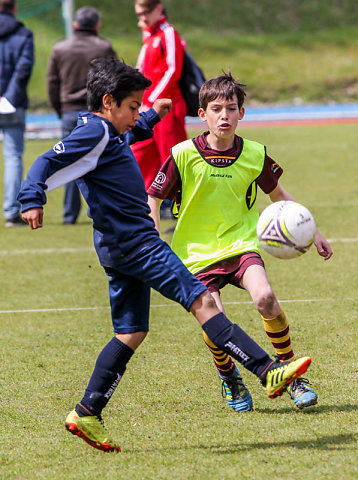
202 114
107 101
242 113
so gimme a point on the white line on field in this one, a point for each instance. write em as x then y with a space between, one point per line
343 240
40 251
51 310
75 309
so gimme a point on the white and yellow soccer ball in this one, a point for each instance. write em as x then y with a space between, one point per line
286 229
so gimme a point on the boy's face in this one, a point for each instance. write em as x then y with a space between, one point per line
148 18
123 118
222 116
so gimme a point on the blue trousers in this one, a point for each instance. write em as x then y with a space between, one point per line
13 128
72 197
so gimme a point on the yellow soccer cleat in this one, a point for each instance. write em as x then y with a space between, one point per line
92 430
280 374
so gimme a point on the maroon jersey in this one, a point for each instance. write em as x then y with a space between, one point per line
167 184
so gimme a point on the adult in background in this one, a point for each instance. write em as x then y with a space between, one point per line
160 60
66 82
16 62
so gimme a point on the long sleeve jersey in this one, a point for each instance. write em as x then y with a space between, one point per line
161 60
108 177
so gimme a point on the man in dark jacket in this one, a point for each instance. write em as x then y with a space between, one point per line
66 80
16 62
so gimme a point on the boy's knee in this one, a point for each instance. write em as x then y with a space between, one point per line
266 301
204 307
132 340
204 300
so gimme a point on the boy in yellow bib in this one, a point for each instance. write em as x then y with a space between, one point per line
213 178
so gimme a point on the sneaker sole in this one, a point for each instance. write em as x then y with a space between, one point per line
242 410
244 406
307 404
300 371
104 447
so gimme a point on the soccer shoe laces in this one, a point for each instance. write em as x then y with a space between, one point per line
300 392
299 385
101 421
100 430
102 427
236 387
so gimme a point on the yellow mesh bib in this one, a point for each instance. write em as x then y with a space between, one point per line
218 215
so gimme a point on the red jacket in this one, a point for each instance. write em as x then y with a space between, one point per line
161 60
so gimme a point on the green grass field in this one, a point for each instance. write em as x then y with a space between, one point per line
168 413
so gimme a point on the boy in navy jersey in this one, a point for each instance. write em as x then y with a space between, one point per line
98 156
217 174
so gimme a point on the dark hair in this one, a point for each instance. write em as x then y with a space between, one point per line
223 86
7 5
149 4
113 77
87 17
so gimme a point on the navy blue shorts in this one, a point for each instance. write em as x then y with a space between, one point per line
153 266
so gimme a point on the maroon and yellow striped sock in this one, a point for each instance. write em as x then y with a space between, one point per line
278 331
223 362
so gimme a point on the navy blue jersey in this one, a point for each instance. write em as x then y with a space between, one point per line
109 178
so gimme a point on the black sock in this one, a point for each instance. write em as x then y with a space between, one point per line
230 338
109 369
82 411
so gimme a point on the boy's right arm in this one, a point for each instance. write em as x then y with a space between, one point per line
32 194
66 161
34 217
165 186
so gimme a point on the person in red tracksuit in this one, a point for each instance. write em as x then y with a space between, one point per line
160 60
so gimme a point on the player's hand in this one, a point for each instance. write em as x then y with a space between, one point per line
162 106
34 217
323 247
143 108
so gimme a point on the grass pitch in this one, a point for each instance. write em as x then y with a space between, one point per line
168 413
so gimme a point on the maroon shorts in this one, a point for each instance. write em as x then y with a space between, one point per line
229 271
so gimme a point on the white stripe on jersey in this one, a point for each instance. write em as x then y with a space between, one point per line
81 166
170 59
141 57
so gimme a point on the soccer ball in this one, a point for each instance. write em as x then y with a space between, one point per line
286 229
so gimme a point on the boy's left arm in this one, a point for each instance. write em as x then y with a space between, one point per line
322 245
144 127
279 193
